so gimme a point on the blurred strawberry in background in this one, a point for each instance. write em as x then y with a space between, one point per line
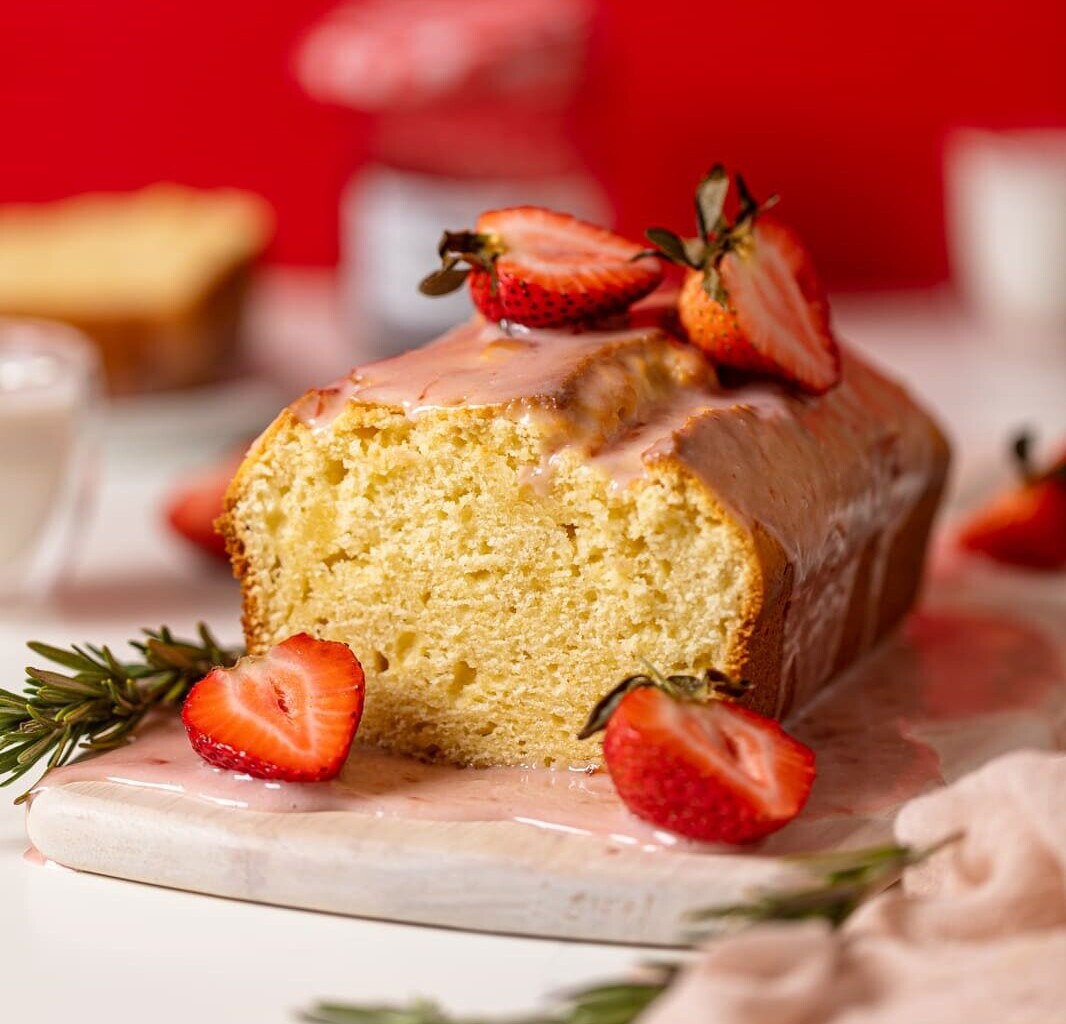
196 501
1026 525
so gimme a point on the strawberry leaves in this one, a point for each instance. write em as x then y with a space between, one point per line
711 685
1022 450
710 218
717 236
456 247
710 201
672 246
448 279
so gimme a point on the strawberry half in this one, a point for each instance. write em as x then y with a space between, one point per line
290 714
1027 525
193 507
699 765
751 299
531 266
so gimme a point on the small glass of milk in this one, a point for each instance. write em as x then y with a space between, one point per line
49 386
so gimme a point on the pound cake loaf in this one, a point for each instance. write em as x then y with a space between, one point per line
504 524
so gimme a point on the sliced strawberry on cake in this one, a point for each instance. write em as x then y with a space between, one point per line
1027 525
685 757
751 299
531 266
290 714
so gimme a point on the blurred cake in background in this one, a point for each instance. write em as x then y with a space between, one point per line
157 278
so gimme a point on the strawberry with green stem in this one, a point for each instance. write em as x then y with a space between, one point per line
686 757
538 268
751 299
1027 525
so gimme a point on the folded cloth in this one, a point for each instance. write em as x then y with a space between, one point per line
976 934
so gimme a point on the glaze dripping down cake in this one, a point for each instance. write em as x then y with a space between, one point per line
504 525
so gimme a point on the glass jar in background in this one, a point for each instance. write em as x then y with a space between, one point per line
49 390
391 223
468 104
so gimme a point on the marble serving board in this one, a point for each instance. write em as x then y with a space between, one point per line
979 671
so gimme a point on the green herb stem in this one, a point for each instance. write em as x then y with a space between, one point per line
841 882
99 701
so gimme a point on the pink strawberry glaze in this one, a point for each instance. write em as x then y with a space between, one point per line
945 688
376 783
31 855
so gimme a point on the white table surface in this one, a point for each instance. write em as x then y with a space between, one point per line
81 948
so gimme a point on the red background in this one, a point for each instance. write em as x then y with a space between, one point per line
840 106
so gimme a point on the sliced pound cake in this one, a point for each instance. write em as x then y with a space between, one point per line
503 525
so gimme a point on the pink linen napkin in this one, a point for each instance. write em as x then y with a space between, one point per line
976 934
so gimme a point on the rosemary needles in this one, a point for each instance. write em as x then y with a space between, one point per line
98 701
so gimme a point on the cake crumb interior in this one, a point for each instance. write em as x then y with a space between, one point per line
490 605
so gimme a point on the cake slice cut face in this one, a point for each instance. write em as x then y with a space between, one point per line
502 526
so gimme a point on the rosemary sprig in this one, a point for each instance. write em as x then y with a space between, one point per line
611 1003
846 880
843 882
99 701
